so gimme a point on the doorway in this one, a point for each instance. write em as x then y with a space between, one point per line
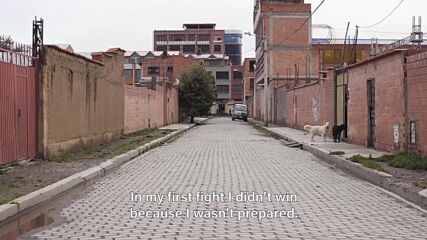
341 100
371 112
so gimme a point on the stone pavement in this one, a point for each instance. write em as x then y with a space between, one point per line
330 146
226 156
179 126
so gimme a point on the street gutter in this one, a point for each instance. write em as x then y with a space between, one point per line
26 203
380 179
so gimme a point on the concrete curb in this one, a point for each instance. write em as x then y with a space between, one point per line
381 179
22 204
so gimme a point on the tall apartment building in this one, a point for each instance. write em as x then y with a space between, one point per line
220 69
193 39
283 44
219 50
249 83
233 46
237 83
201 39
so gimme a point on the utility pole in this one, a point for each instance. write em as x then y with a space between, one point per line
266 93
165 90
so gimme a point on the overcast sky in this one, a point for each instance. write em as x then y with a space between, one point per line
94 25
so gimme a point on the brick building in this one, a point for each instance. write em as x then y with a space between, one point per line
220 68
248 84
169 66
283 44
233 46
193 39
134 61
387 101
237 83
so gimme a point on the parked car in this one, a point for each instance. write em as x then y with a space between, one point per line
240 111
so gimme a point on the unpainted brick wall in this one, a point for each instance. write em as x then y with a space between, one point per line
311 104
388 72
417 98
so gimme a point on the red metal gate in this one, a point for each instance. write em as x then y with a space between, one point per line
17 107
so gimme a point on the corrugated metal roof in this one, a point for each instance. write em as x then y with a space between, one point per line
154 53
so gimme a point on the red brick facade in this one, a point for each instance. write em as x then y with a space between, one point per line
388 73
171 67
311 104
417 100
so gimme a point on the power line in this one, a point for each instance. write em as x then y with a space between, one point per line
302 25
299 28
385 18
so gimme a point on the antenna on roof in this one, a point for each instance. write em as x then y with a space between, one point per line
417 35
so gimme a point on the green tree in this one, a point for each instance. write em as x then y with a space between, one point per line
197 92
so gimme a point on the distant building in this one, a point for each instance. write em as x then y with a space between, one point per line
249 83
167 67
193 39
134 62
237 83
201 39
219 67
233 46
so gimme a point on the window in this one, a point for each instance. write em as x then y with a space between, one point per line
161 48
233 49
153 70
222 75
218 38
128 73
189 49
191 37
170 69
212 62
237 75
177 37
251 83
238 88
251 66
233 38
217 48
134 60
175 48
163 38
204 48
203 37
222 89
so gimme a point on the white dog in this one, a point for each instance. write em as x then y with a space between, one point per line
317 131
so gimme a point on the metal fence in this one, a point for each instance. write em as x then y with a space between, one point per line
18 104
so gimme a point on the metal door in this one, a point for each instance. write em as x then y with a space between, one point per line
371 112
21 116
341 100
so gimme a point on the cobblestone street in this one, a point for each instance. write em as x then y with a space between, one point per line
225 156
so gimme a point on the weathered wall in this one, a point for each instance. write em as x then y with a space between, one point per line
144 107
250 103
281 105
311 104
388 72
417 99
172 105
140 109
82 101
